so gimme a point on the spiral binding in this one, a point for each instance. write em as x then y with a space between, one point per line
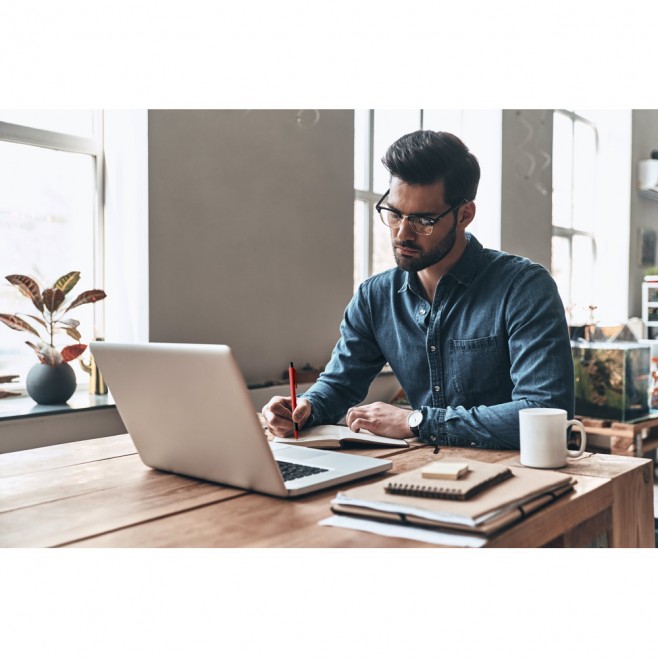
451 493
422 491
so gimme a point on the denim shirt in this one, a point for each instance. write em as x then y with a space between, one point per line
494 341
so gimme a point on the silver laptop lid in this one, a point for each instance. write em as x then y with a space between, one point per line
188 411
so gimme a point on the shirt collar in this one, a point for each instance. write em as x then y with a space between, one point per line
465 268
463 271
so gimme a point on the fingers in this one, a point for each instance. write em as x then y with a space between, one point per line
379 418
358 418
279 417
302 412
278 406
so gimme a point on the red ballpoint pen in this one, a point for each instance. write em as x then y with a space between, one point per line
293 386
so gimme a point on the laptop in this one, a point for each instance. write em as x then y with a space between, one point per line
188 411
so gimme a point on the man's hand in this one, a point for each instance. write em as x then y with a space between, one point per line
279 417
380 418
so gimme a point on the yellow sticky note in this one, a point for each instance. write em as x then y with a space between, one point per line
441 470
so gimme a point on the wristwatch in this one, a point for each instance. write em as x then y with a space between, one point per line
414 419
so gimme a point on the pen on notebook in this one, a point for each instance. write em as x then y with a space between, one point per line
293 385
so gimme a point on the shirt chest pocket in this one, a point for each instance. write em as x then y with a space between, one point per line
476 365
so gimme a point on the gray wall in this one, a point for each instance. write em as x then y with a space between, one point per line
644 212
251 232
527 182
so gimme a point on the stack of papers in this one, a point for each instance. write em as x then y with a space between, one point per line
442 538
485 514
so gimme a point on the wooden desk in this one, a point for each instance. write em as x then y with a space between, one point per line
98 493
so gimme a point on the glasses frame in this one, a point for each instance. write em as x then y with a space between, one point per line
413 217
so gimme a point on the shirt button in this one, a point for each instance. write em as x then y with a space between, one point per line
432 348
432 437
473 444
422 311
437 388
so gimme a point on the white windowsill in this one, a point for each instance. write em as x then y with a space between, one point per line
24 424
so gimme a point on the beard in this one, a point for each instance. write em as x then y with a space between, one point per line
424 259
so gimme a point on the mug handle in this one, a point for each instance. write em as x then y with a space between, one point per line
583 438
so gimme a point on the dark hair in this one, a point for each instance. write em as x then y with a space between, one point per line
425 157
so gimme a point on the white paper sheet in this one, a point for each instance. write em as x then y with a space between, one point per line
405 532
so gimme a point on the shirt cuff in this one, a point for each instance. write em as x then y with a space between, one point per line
432 429
316 410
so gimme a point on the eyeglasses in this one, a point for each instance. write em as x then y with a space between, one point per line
421 224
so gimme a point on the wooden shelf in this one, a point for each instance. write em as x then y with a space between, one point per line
633 439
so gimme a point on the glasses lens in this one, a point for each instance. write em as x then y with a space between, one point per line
421 225
390 218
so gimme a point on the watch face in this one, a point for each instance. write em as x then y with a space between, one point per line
415 418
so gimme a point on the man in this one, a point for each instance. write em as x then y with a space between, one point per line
472 334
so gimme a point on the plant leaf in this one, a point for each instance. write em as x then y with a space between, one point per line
74 324
71 352
67 282
34 317
52 298
73 333
29 287
51 356
46 354
33 346
87 297
14 322
40 355
70 330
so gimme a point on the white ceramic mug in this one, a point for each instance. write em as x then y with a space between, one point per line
543 435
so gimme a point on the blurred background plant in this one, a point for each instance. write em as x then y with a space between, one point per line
53 307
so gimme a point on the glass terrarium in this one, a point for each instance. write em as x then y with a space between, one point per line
653 374
612 379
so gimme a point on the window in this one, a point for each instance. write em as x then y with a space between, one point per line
575 152
375 131
74 196
51 215
591 188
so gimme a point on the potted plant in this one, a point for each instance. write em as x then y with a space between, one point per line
52 380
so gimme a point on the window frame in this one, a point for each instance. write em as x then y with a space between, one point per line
568 233
370 198
94 147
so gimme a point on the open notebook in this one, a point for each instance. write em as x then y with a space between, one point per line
337 436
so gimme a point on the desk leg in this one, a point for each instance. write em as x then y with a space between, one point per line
632 509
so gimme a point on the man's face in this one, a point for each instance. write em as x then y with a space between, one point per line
414 252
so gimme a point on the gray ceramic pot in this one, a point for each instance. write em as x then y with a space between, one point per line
50 384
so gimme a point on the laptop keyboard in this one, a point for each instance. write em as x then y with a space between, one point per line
291 471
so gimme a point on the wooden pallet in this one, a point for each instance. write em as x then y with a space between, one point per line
633 439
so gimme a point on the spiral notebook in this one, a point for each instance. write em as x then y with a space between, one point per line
479 477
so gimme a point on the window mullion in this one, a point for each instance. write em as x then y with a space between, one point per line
563 232
10 132
368 233
99 227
